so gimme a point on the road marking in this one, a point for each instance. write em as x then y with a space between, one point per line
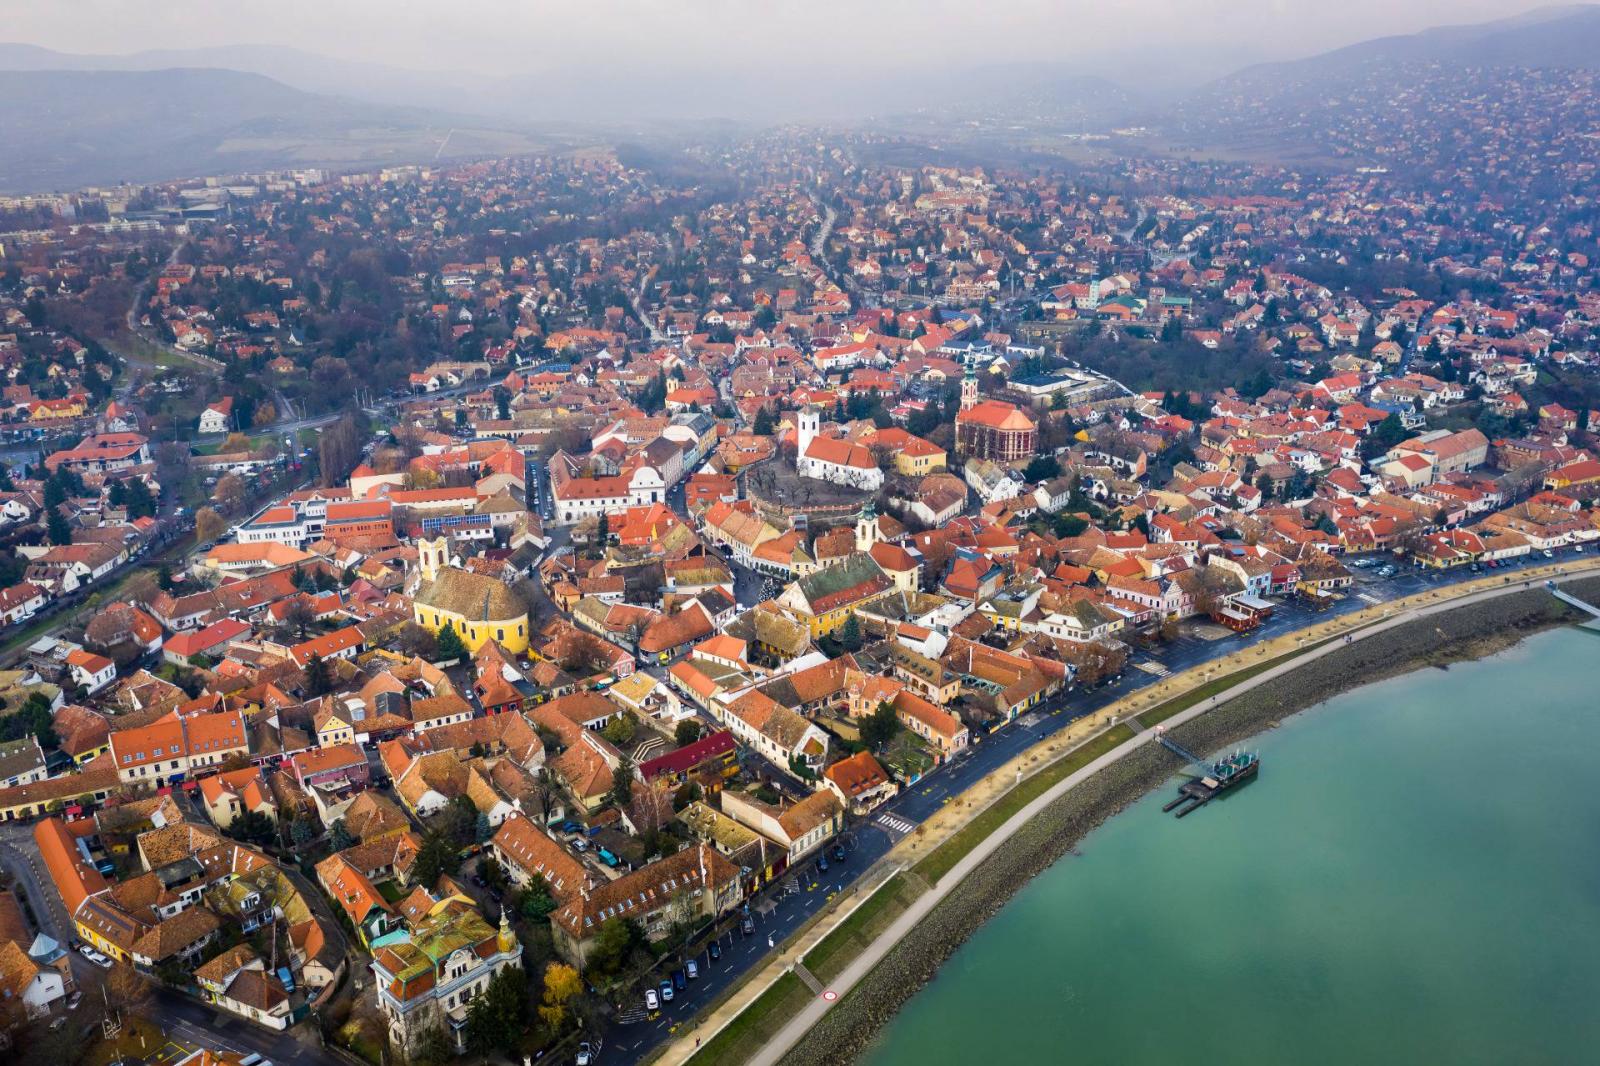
897 825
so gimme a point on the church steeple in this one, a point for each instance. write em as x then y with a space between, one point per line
508 939
969 385
867 532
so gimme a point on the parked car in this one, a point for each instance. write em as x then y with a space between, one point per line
95 957
822 865
692 968
580 843
651 1000
838 853
714 952
680 980
1548 554
666 991
585 1055
747 926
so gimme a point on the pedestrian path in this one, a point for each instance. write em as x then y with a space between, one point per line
895 825
805 975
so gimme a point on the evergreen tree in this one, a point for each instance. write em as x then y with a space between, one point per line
319 679
763 425
451 645
340 837
622 783
57 528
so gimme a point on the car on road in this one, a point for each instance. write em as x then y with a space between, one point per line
585 1055
1548 554
692 968
838 853
666 991
714 952
73 1000
1386 571
680 980
651 1000
822 865
747 926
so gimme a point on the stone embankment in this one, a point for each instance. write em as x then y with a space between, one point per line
1468 632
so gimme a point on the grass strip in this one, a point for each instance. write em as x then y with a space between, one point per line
828 959
1218 685
755 1025
944 858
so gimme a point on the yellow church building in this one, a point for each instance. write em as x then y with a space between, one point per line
479 608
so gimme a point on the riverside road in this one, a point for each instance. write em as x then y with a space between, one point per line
803 891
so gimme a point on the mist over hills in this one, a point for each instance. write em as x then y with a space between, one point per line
68 128
79 119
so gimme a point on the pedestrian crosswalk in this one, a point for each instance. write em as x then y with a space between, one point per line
895 825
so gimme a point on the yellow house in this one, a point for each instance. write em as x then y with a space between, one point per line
46 410
477 607
919 457
825 599
333 729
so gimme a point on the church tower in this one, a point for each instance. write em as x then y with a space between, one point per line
969 386
508 939
867 532
433 556
809 426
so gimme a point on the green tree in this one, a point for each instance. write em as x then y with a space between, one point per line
339 838
253 827
687 732
436 856
303 830
1068 525
1042 468
620 730
612 946
319 678
493 874
534 901
35 717
850 634
450 645
879 727
622 783
57 527
763 424
498 1018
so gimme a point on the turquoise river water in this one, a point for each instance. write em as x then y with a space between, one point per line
1414 878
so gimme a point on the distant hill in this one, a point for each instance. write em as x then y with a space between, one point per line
67 128
1555 37
306 71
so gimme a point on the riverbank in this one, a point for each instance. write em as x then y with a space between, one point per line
1468 631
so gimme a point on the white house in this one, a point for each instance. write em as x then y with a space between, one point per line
217 417
841 462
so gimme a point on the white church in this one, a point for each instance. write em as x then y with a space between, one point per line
841 462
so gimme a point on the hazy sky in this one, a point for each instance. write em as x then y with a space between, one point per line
784 38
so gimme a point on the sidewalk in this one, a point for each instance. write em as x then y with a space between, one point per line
1369 621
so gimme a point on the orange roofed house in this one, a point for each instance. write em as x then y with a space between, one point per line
427 976
167 750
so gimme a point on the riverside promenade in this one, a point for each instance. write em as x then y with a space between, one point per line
1359 625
